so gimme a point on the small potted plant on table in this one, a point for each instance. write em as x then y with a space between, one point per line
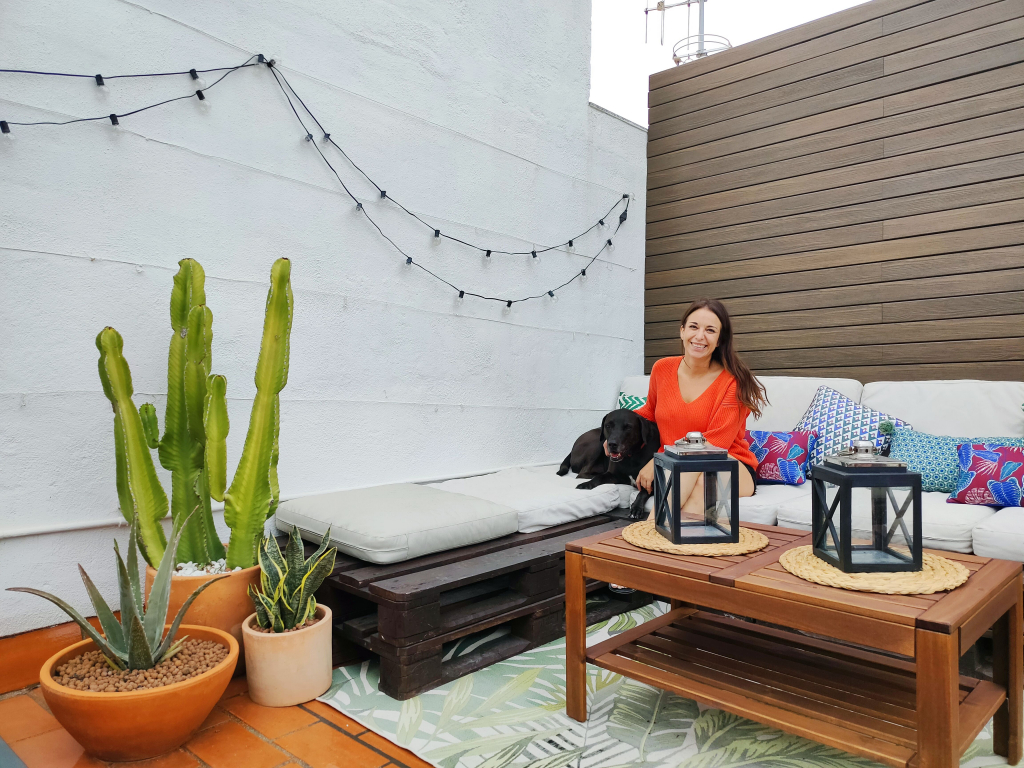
288 639
134 691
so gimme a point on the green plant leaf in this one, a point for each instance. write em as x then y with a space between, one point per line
87 628
319 550
556 761
133 561
129 607
409 720
315 576
487 745
508 717
111 629
504 757
511 690
295 564
140 656
649 719
160 592
457 698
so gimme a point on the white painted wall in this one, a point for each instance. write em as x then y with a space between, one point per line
475 115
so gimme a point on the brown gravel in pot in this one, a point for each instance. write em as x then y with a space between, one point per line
91 672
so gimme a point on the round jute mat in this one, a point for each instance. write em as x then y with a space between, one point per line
937 574
644 535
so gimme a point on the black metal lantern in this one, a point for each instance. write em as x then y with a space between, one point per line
720 520
862 485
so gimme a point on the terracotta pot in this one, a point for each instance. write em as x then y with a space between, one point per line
137 725
223 606
288 668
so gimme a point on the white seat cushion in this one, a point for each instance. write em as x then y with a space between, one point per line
962 407
943 526
789 397
541 498
1001 535
392 523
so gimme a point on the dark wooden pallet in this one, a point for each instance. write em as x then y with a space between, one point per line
408 614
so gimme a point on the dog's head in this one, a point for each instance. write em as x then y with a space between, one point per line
625 433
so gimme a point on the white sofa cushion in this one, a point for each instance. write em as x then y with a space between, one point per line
635 386
943 526
392 523
541 498
1001 535
789 397
963 407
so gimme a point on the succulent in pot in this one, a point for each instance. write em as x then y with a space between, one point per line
288 639
164 679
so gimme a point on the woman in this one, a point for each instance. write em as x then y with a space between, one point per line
709 390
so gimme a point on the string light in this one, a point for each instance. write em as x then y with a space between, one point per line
273 64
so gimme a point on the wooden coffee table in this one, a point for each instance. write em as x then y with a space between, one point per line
897 697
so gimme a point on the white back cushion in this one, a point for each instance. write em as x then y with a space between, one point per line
961 407
635 386
789 397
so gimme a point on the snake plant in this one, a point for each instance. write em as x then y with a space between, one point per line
137 641
196 426
288 582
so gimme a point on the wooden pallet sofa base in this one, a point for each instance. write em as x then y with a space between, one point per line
409 613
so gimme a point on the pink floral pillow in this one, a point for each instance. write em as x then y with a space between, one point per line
782 456
989 474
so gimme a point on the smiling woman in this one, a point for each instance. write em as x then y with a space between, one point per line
708 389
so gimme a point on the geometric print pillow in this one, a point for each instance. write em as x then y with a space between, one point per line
631 401
935 456
781 456
989 474
839 421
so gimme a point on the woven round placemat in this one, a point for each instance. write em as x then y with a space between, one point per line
937 574
644 535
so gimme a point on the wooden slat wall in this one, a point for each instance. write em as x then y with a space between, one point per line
853 190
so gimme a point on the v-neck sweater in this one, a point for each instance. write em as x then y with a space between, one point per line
716 412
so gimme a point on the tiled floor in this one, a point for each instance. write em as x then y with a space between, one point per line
237 734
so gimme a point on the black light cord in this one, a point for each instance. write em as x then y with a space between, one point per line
288 90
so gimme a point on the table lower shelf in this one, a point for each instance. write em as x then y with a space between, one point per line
852 699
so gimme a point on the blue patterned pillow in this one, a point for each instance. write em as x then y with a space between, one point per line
631 401
935 457
839 421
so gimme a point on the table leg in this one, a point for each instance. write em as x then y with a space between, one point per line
938 701
1008 671
575 638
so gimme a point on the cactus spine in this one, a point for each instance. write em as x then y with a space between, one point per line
253 495
196 428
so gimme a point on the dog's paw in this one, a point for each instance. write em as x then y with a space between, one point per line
589 485
562 472
637 510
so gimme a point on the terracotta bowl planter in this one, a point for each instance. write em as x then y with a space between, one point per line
137 725
288 668
223 606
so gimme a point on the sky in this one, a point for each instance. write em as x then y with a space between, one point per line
621 62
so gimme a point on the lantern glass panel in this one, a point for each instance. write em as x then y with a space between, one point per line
717 501
882 525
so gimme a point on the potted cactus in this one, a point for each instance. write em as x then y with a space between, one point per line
136 691
288 639
192 448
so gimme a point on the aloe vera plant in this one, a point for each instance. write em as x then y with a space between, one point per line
288 582
137 641
196 428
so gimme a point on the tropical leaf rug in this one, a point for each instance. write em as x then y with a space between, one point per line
512 715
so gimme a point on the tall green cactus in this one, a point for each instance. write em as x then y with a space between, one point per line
183 445
253 495
138 488
196 428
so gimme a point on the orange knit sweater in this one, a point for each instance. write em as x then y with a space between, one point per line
717 413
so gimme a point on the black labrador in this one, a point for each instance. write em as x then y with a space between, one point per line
632 442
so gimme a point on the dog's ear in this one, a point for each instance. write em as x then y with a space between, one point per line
603 422
649 433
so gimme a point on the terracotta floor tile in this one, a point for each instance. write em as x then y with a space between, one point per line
53 749
36 695
236 686
332 715
175 759
21 717
395 752
229 745
321 746
216 717
272 722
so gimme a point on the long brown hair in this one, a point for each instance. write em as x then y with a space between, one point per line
749 391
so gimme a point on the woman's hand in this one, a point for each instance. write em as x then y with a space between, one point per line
645 479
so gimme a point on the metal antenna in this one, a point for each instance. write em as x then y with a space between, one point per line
690 47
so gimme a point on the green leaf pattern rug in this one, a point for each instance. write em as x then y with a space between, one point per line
512 715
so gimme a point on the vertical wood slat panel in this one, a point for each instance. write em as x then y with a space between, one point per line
853 190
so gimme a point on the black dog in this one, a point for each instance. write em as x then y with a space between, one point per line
632 442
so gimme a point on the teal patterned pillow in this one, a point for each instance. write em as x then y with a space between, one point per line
934 456
631 401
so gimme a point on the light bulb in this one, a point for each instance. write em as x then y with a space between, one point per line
276 61
200 84
553 295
